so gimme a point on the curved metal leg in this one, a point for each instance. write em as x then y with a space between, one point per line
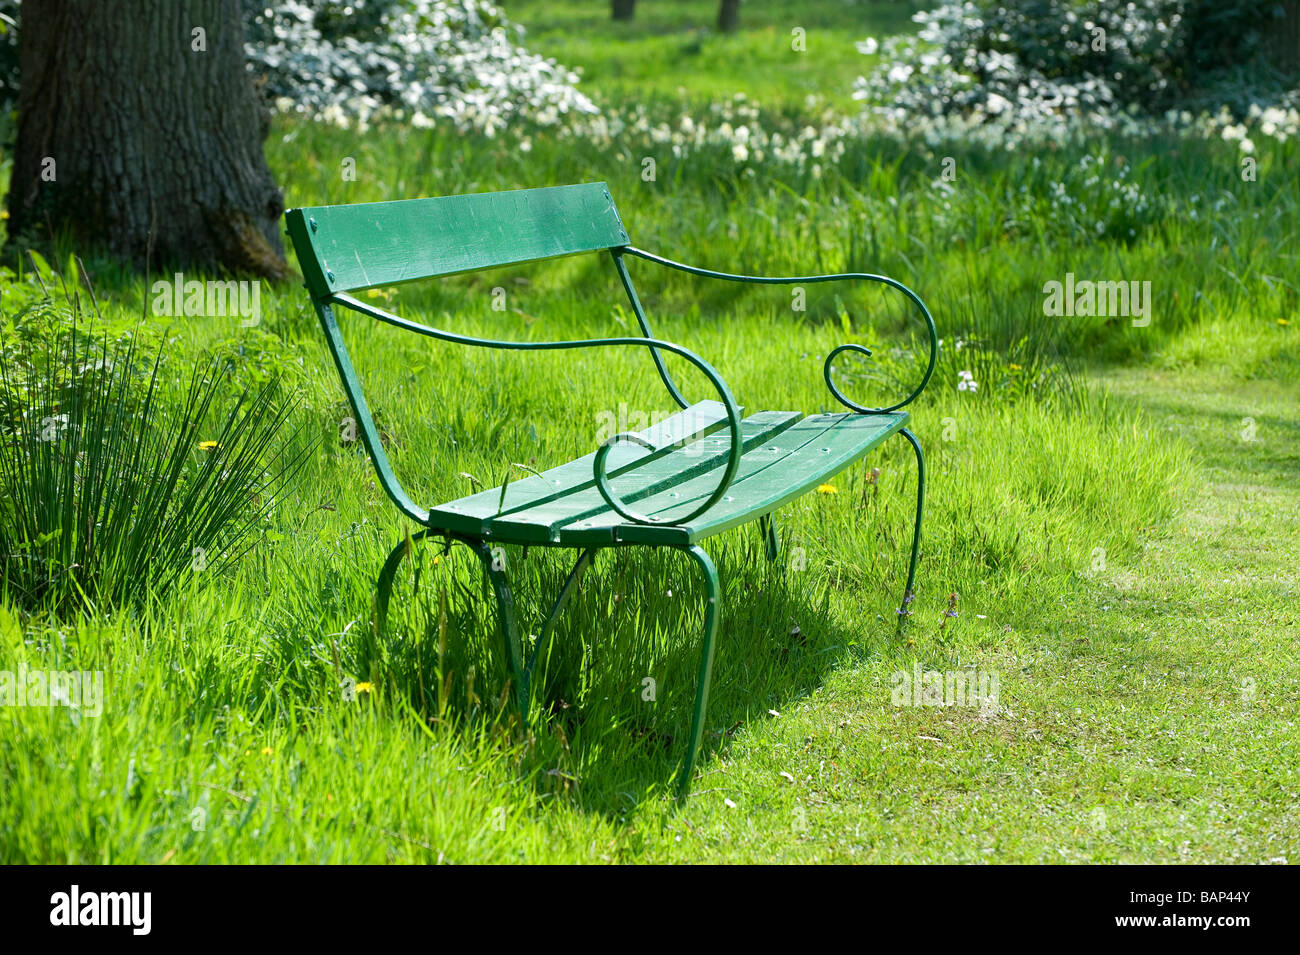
905 611
506 619
585 559
385 588
767 527
706 670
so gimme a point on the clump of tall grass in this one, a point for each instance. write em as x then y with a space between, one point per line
117 478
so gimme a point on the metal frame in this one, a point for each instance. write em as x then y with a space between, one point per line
522 671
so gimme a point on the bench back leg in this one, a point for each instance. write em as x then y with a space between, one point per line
767 527
506 620
711 612
384 590
584 561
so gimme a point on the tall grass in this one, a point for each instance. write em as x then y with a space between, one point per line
115 483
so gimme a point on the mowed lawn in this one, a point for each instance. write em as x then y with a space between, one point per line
1111 529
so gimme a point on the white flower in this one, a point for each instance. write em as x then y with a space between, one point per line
900 73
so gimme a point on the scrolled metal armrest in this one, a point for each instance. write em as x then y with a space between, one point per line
851 346
598 464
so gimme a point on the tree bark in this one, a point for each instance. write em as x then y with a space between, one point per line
140 137
729 16
623 9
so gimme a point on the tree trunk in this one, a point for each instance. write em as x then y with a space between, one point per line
624 9
729 16
1284 39
140 134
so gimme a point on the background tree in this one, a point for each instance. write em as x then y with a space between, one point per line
1284 38
729 16
140 133
623 9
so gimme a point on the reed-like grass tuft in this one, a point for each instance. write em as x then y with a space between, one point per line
116 483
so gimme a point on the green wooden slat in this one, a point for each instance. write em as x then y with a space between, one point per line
383 243
809 454
650 474
474 514
677 496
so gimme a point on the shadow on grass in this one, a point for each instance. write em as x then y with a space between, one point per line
613 698
1224 428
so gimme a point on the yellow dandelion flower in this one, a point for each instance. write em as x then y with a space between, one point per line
1014 367
1283 321
365 688
827 489
207 445
267 751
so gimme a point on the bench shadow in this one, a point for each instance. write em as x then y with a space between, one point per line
613 698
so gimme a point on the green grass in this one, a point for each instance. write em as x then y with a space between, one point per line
1123 558
674 49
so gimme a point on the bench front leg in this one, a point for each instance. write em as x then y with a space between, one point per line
711 611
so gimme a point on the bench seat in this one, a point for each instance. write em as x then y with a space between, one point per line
785 455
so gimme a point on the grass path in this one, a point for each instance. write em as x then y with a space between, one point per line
1147 715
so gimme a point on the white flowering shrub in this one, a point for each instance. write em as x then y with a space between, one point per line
1047 65
425 60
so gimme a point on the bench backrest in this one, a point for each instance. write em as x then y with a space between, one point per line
350 247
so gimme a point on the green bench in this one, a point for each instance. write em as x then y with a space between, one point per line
703 471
